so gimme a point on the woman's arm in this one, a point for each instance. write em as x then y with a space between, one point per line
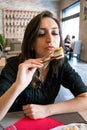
41 111
24 77
72 81
73 105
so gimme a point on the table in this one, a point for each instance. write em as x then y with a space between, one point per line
67 118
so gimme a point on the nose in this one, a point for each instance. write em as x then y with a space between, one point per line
49 38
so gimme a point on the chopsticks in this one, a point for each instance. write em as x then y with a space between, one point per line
52 55
52 58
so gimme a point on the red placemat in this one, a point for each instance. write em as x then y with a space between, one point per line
40 124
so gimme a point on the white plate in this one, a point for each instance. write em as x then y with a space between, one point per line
82 125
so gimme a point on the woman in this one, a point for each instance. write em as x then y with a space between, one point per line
68 46
67 39
29 85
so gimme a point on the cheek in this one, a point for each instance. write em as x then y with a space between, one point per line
57 42
38 47
39 43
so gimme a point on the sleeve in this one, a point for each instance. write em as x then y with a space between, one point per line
72 80
8 75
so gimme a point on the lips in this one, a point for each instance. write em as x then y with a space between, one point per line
50 48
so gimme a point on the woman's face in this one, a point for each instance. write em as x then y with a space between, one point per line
48 37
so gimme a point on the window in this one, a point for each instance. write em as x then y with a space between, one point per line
70 20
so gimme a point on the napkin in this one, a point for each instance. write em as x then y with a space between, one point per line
39 124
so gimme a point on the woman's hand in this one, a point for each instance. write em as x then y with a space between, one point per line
26 71
35 111
24 77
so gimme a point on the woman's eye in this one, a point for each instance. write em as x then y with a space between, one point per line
41 35
55 33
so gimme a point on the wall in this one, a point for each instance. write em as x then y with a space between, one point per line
34 5
83 31
82 28
53 7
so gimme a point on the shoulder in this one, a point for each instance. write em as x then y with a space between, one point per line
11 65
71 79
65 63
67 70
14 59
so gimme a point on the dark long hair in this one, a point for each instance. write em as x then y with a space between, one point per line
31 34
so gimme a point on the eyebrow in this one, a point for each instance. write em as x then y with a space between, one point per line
45 28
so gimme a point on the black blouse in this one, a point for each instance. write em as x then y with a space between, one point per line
49 90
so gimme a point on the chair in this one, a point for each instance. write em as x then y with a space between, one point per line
77 48
2 62
1 50
15 49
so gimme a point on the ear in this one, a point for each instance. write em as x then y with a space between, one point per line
33 47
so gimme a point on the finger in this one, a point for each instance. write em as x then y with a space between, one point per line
34 61
25 107
33 65
27 111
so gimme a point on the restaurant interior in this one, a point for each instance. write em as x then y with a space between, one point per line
72 14
15 15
